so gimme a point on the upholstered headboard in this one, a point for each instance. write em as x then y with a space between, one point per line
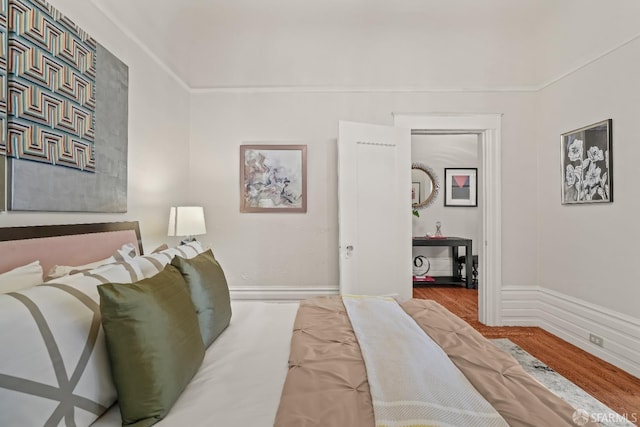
73 244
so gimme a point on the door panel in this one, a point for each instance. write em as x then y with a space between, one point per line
374 208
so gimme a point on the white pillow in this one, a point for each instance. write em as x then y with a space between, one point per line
125 253
52 336
154 263
21 278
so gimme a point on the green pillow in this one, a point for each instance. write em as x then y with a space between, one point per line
153 341
209 293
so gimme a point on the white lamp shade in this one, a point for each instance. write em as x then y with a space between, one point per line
186 221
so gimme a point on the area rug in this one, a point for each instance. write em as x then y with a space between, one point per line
587 407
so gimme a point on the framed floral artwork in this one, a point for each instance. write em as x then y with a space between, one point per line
461 187
273 178
587 164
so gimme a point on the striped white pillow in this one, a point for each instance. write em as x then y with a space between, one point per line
21 278
154 263
125 253
54 368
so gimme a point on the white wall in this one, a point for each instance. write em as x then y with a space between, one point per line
574 32
588 251
301 249
439 152
158 135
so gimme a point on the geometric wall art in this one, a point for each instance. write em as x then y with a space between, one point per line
65 114
3 101
51 72
3 76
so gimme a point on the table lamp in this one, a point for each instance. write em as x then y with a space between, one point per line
186 221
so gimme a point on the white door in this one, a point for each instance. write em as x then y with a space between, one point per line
374 209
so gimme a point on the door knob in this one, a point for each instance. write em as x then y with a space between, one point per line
349 249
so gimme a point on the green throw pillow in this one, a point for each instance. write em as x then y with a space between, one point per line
154 343
209 293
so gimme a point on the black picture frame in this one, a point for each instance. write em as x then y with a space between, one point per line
461 187
587 164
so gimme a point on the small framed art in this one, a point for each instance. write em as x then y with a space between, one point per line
273 178
587 164
461 187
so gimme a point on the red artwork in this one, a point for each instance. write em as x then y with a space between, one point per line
461 180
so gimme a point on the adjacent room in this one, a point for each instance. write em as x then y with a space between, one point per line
243 212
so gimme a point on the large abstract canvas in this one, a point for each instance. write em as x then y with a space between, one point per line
66 115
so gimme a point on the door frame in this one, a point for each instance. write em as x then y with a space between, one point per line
488 128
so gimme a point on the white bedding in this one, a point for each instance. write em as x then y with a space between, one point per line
241 377
412 380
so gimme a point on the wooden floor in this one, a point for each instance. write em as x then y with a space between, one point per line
615 388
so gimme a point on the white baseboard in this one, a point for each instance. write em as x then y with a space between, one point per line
574 320
278 293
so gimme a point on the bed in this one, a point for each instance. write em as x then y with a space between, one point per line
326 361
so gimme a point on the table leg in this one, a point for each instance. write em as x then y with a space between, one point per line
469 264
454 262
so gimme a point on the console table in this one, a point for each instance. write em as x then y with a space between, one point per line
454 243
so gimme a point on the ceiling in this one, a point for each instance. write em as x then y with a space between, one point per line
375 43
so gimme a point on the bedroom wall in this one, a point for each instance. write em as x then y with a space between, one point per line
300 250
594 239
585 253
158 134
439 152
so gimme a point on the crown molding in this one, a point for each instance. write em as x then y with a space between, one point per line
585 64
115 21
412 89
359 89
260 89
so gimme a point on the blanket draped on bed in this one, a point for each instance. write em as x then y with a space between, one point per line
420 388
327 381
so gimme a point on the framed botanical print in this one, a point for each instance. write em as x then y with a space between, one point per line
461 187
587 164
273 178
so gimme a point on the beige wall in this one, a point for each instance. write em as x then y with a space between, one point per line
158 134
301 249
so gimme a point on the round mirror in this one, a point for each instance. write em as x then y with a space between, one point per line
424 186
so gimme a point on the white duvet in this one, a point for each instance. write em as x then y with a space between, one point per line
241 377
412 380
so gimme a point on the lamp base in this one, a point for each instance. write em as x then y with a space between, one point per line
187 240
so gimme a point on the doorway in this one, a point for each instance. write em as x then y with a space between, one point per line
487 127
446 154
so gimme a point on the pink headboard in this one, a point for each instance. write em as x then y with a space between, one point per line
74 244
